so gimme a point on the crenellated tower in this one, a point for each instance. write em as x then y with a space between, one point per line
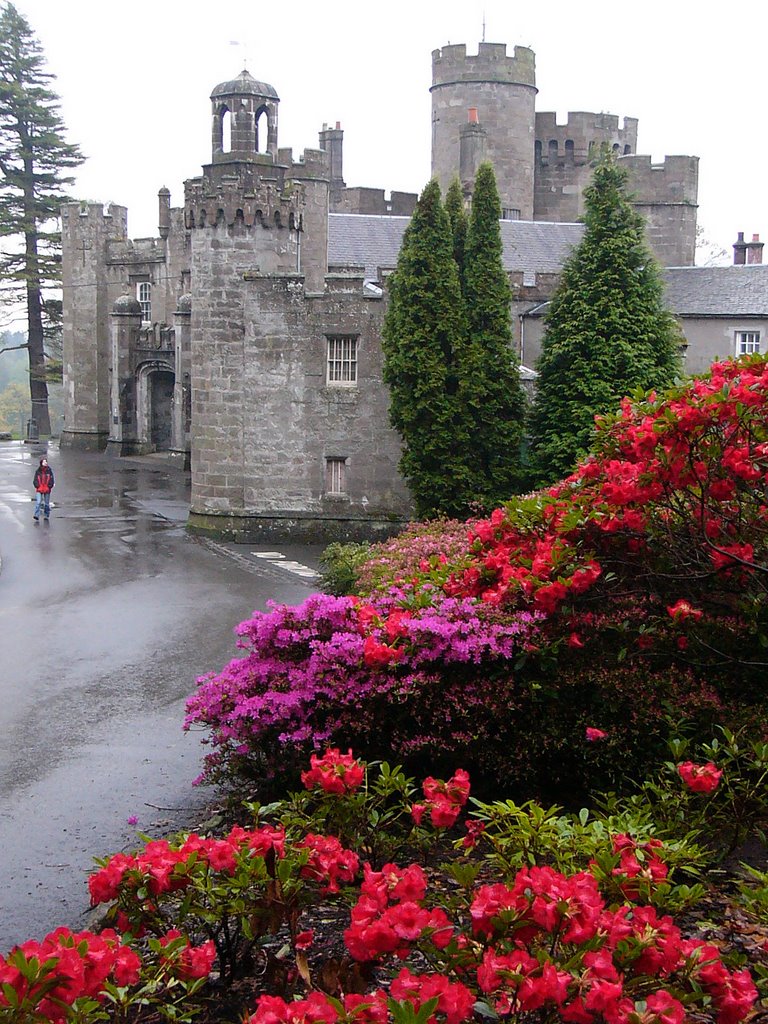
500 90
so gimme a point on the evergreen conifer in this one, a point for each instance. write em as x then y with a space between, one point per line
34 159
608 331
491 399
423 325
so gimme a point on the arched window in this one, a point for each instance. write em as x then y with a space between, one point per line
226 131
569 151
552 156
261 123
537 151
627 150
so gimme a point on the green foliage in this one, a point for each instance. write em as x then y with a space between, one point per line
340 564
423 325
34 161
491 397
455 393
735 811
454 206
529 834
608 332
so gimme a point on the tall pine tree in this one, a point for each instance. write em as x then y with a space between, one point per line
423 325
607 333
34 159
492 403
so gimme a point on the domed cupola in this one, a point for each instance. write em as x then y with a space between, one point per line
244 120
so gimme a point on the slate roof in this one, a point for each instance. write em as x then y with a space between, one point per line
541 247
369 241
718 291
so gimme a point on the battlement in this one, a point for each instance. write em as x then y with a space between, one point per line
231 200
313 163
90 217
582 137
492 63
674 181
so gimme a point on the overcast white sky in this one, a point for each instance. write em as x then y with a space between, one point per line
135 80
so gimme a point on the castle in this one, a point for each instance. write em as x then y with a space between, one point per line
245 337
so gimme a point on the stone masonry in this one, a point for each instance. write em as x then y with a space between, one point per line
242 340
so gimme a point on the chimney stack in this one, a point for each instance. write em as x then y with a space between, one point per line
747 252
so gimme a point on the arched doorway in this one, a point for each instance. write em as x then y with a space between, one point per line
161 409
154 400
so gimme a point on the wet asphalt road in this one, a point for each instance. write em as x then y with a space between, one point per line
108 614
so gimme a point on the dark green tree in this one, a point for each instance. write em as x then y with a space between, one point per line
491 398
423 325
34 159
454 206
607 333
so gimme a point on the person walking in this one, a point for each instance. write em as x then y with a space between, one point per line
43 484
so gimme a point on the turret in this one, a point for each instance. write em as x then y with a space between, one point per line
502 89
244 120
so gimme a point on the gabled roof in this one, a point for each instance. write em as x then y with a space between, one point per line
370 241
718 291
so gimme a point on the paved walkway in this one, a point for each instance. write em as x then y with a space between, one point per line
108 614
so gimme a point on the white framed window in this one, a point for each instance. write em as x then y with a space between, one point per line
144 296
747 343
336 475
342 360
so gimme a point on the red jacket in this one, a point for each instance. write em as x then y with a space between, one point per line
43 481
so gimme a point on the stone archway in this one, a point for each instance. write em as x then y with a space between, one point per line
154 390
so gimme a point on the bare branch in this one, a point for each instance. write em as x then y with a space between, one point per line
12 348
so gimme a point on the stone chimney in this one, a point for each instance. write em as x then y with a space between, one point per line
747 252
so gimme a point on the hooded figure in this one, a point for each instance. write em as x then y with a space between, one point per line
43 484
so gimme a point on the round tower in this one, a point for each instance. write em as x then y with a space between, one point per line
244 119
502 90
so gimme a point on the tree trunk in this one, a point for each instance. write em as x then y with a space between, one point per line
38 386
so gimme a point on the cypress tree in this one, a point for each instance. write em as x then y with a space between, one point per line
422 327
491 398
454 206
34 159
607 333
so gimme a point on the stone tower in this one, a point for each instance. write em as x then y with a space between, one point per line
483 109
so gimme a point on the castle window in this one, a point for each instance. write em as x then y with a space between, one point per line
747 343
342 360
261 125
509 213
335 476
144 295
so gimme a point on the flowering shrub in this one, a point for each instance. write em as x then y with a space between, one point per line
544 942
233 890
373 673
84 977
570 945
627 596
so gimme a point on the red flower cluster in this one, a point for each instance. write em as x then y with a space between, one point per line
683 610
443 800
188 961
700 778
329 863
390 915
165 868
334 772
78 964
593 735
638 862
541 900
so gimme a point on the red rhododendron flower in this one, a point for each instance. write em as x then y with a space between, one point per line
700 778
334 772
683 610
595 734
